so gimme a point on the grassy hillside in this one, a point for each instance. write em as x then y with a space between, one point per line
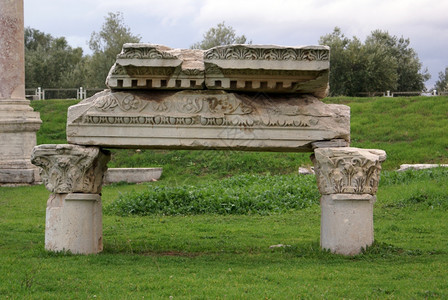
410 129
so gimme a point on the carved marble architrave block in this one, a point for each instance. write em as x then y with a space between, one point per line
347 170
268 68
206 119
71 168
74 223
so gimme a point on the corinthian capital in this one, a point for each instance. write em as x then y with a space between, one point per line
71 168
348 170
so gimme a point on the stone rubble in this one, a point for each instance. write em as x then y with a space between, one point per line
132 175
406 167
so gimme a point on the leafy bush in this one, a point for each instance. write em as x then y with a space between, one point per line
428 197
243 194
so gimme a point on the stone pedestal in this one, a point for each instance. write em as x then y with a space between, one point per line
346 222
18 121
74 175
74 222
348 180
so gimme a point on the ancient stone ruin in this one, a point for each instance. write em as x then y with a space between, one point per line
242 97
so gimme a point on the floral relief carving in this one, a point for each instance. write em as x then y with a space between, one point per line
196 109
124 101
348 170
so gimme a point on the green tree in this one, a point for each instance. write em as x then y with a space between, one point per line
381 63
105 45
408 66
379 72
218 36
50 60
35 38
343 67
442 83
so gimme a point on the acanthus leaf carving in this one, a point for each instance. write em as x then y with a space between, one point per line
70 168
149 52
242 52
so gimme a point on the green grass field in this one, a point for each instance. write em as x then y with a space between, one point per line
227 256
188 253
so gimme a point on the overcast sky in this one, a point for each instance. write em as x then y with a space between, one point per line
284 22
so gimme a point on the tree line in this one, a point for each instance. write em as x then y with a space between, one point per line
50 62
382 62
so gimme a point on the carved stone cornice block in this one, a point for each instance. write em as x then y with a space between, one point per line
347 170
254 68
71 168
268 68
148 66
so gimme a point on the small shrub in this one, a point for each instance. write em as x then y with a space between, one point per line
430 198
243 194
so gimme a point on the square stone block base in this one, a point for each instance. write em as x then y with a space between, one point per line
346 222
74 223
17 176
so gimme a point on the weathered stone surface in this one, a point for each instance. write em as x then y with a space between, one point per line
71 168
346 222
348 170
268 68
132 175
206 119
406 167
18 122
74 223
12 51
148 66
